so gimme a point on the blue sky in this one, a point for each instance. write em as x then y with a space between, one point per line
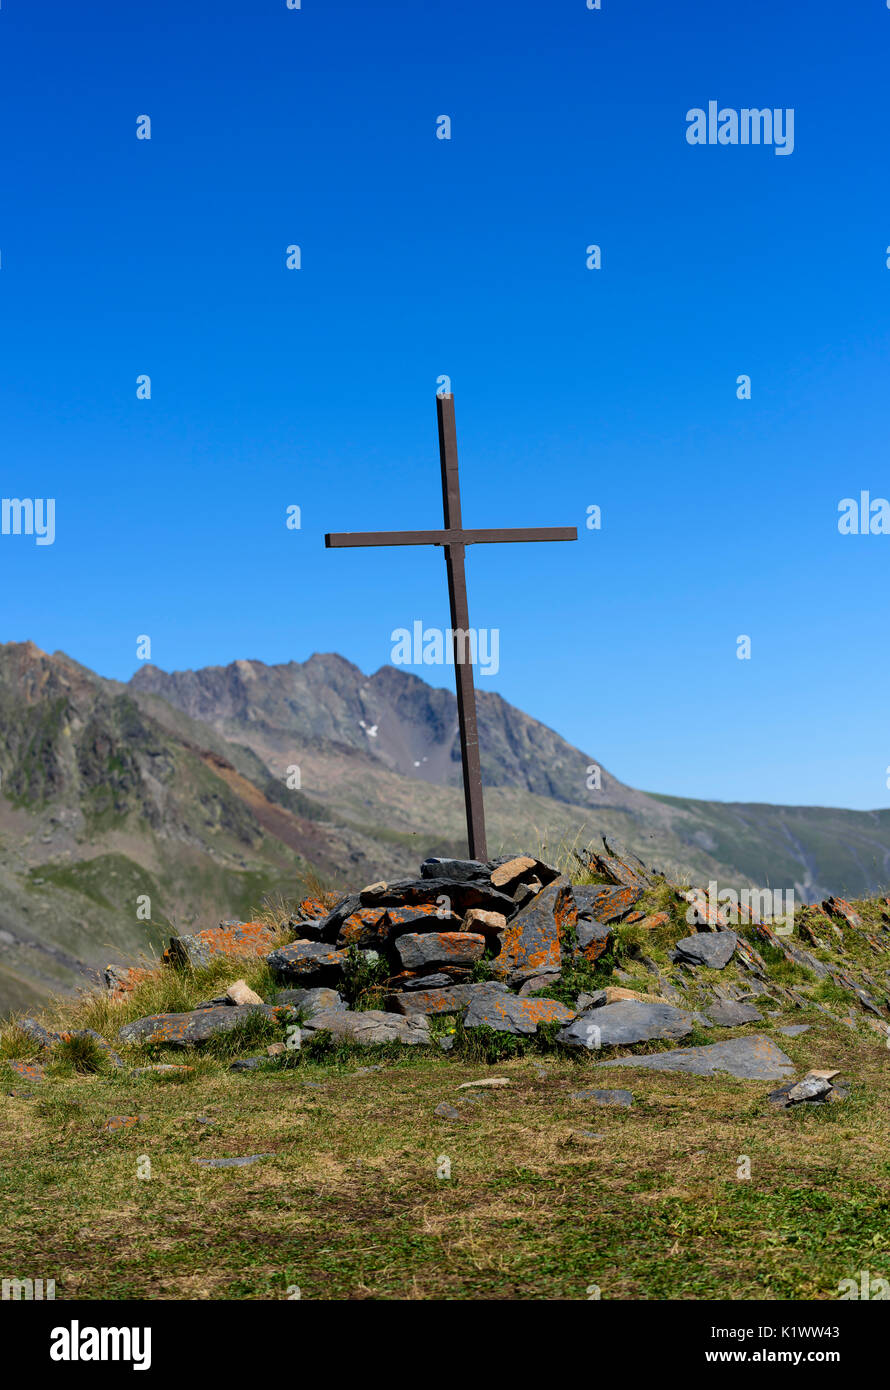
466 257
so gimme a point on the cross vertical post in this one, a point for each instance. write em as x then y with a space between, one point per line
460 632
454 539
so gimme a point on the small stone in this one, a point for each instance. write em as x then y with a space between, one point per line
246 1063
624 1099
241 993
276 1049
537 983
486 1081
794 1030
231 1162
118 1122
446 1111
28 1071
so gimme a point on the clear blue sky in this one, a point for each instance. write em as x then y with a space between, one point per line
420 257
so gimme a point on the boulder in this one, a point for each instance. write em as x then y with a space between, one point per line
755 1058
627 1021
714 949
530 944
228 939
424 950
370 1026
188 1029
307 961
445 1001
507 1013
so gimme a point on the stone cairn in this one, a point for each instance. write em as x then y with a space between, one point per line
485 942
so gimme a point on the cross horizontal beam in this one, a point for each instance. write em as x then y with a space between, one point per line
455 536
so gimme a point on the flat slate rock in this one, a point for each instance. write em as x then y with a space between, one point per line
306 961
507 1013
753 1059
621 1098
728 1013
418 892
714 949
794 1030
458 870
185 1030
626 1021
445 1001
424 950
231 1162
371 1026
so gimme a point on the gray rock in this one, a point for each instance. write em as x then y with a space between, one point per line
538 982
626 1021
728 1013
436 981
189 1029
307 961
588 932
714 949
507 1013
458 870
754 1059
423 950
446 1111
185 1030
812 1091
371 1026
247 1063
794 1030
445 1001
622 1098
310 1001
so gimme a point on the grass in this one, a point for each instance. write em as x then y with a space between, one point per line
547 1196
350 1204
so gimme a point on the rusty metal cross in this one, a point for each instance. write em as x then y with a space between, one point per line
455 539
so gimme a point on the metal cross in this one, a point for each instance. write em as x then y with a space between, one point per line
454 539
